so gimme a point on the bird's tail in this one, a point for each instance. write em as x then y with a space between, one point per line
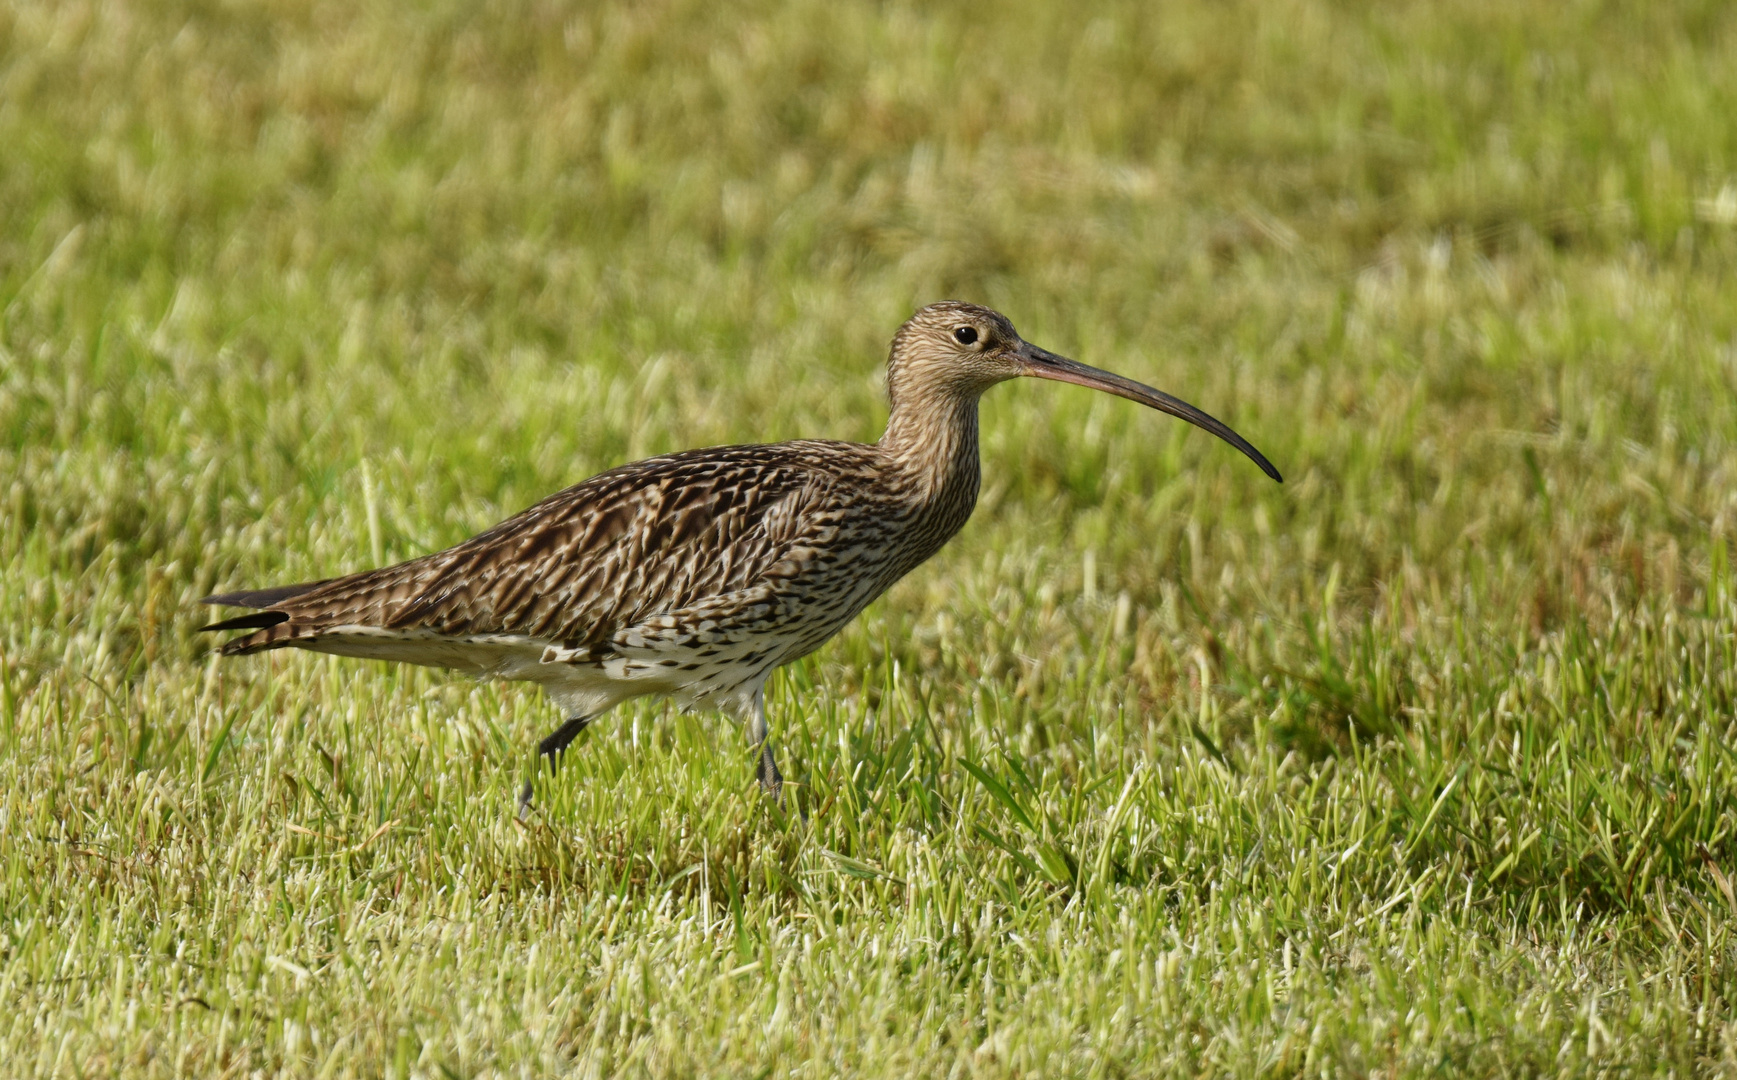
261 621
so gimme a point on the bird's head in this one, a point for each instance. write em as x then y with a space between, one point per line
954 350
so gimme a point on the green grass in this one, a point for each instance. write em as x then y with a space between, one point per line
1423 762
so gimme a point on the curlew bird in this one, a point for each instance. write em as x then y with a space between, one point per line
696 574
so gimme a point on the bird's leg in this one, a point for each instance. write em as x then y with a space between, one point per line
552 748
759 734
559 739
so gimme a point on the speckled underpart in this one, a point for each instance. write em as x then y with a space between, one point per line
694 574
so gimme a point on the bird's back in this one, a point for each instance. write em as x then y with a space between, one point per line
658 535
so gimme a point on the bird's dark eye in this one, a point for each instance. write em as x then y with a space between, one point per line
965 335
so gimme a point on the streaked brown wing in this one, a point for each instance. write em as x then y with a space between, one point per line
653 536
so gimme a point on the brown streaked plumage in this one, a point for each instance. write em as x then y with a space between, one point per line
696 574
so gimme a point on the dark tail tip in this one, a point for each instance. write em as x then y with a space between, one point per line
262 598
259 620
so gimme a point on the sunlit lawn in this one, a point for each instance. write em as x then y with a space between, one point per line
1425 761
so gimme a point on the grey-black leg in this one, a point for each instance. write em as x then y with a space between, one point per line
770 778
760 735
559 739
552 747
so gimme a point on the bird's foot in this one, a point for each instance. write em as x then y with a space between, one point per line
771 780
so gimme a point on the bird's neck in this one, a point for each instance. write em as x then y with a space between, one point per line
931 448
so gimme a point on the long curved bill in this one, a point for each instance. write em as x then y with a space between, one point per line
1043 364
